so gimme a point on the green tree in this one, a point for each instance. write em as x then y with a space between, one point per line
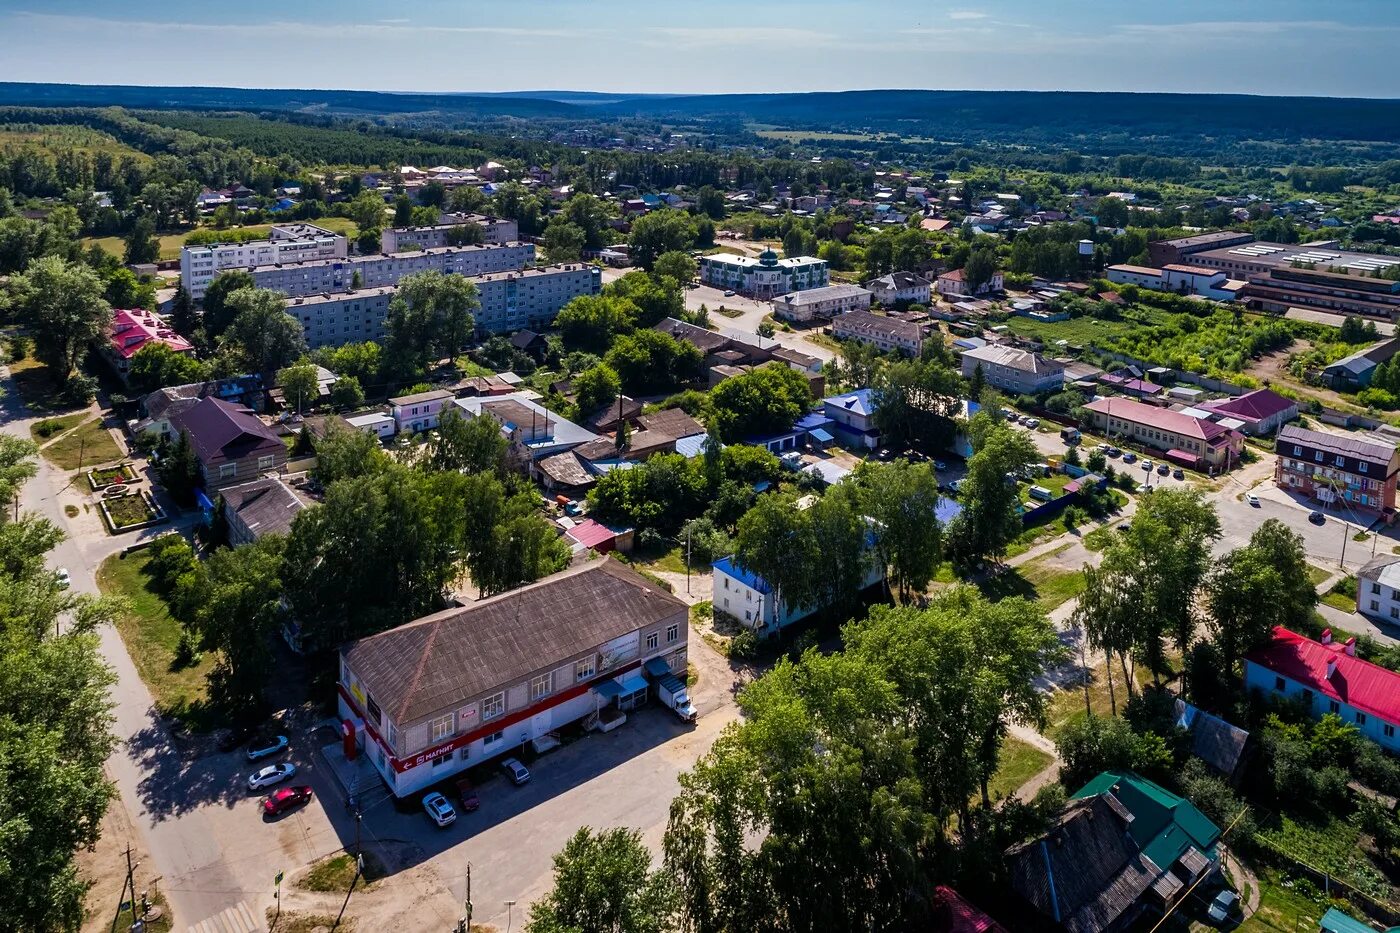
217 314
596 387
156 366
237 597
182 313
262 337
654 296
1256 587
592 322
709 201
141 245
1090 745
301 386
563 241
62 304
343 453
990 521
649 361
467 234
367 210
763 401
16 466
604 883
470 445
775 540
360 360
403 211
901 498
660 232
524 547
590 214
431 317
915 401
346 393
677 266
179 470
980 267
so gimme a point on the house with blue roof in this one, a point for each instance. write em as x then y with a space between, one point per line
813 429
747 597
852 417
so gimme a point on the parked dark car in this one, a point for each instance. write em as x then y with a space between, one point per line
466 792
235 738
1317 518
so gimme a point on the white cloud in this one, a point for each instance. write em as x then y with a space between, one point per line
967 14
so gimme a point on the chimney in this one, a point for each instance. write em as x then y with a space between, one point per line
1331 667
1350 647
1326 638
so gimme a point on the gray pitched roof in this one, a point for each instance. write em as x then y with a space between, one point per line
1087 871
265 506
1213 740
441 660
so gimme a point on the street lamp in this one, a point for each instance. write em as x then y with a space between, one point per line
510 914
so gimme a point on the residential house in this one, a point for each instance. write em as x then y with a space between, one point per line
1013 370
900 288
820 303
381 424
1326 677
953 286
263 507
888 334
1378 589
1130 385
420 411
534 432
431 698
229 441
163 404
1355 371
1261 412
1122 846
133 329
741 593
1192 442
852 419
1357 470
1213 740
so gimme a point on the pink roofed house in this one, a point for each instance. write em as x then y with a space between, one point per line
1263 411
135 328
1184 439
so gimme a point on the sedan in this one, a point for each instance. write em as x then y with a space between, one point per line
1115 452
1130 457
1252 499
1147 465
466 792
1317 518
1223 906
286 798
1032 423
272 774
514 770
1163 469
268 749
439 810
729 293
64 579
1178 474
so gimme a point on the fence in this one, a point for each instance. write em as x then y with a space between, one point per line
1388 914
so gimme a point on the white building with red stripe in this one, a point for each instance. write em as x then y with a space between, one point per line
431 698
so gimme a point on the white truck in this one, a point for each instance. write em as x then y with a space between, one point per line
673 694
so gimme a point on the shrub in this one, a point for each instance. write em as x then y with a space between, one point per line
48 427
19 348
743 645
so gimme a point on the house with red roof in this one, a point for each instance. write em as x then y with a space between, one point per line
952 913
1327 677
133 329
1263 411
1190 441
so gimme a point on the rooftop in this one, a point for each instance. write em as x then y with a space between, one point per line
1354 681
866 324
1254 406
1362 447
1012 358
266 506
860 401
440 660
222 430
825 293
1161 418
1285 255
133 329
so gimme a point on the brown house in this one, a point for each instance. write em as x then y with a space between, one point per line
232 445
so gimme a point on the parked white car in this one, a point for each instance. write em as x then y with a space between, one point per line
439 810
272 774
1252 499
64 579
1223 906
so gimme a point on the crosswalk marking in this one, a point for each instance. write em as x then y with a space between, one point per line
236 919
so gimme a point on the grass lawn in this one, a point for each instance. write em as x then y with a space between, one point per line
1032 535
151 635
88 445
49 428
36 387
1068 703
1286 904
470 367
1050 586
1017 763
333 874
1342 595
1316 575
1101 537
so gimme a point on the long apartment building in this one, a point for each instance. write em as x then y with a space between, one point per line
497 231
436 696
286 243
299 279
1280 276
764 277
510 301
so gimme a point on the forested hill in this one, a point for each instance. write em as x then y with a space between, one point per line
1035 116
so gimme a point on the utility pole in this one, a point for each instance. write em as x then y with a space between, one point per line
687 560
359 870
121 899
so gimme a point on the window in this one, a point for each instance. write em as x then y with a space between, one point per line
1308 698
441 727
653 639
1376 588
1375 606
1361 719
1278 683
584 669
673 632
1361 467
726 583
748 596
1389 731
1340 461
542 686
228 470
374 714
441 760
492 739
493 706
1318 456
1333 706
748 616
265 463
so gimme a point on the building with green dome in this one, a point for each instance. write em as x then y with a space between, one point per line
765 277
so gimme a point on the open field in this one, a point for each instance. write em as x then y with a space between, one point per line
88 445
1017 763
61 137
170 243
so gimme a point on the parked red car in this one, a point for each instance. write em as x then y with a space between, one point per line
466 792
286 798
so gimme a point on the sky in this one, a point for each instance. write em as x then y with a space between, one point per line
1341 48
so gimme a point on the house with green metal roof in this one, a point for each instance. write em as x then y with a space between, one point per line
1122 846
1334 921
